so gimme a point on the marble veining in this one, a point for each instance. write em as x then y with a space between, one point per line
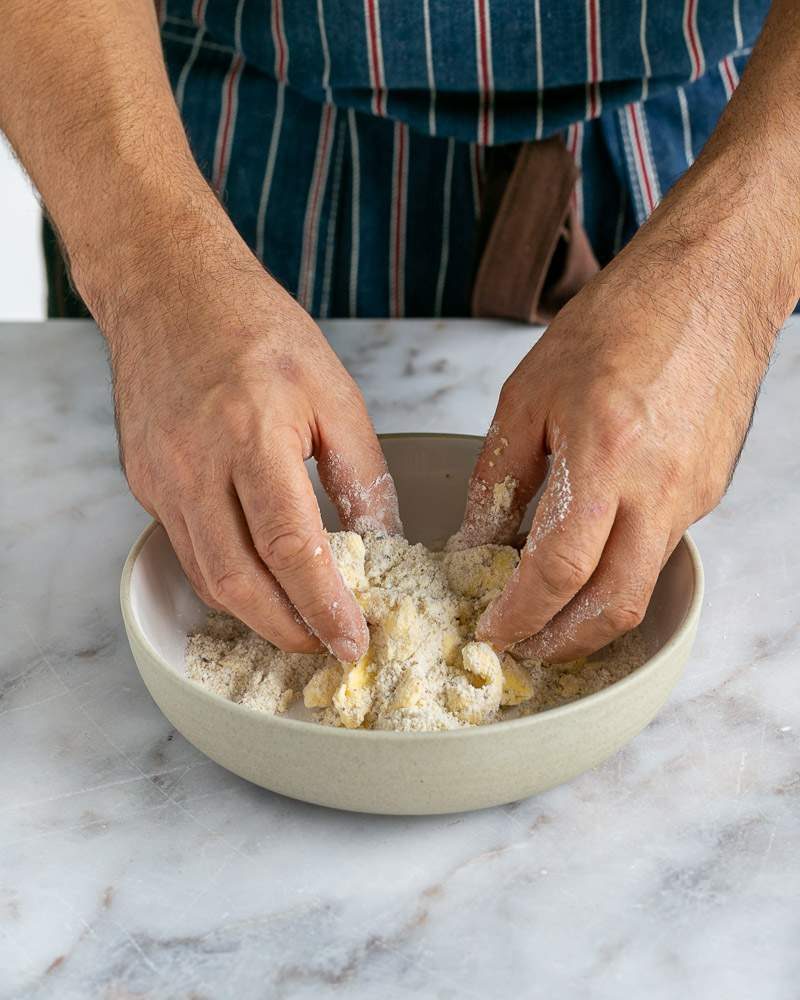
131 866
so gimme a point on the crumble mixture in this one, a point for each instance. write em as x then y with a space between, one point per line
423 669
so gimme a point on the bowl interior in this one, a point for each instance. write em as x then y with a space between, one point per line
431 474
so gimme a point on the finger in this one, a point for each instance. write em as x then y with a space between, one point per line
352 468
612 603
570 526
509 470
237 579
286 529
175 528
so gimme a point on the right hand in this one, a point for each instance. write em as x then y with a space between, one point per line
223 386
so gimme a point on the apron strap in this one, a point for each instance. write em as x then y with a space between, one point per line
536 254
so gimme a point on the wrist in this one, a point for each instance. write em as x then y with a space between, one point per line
747 180
727 234
146 241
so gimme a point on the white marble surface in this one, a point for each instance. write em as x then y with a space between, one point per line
130 866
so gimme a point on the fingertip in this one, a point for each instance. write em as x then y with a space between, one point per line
346 650
352 644
347 633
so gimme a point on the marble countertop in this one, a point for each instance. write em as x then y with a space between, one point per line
132 866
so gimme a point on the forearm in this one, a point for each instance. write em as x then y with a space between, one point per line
738 205
89 111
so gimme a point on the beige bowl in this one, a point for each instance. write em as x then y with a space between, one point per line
409 773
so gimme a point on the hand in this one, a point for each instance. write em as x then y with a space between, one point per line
223 387
637 399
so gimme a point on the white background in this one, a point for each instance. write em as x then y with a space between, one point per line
22 286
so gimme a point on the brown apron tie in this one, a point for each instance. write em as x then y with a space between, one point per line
535 254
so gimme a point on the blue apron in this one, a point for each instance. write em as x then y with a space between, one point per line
347 137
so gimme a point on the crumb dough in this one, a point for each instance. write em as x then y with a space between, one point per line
423 669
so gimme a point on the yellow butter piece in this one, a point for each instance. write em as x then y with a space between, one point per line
481 664
319 691
358 676
408 692
401 618
503 495
517 683
402 629
353 698
473 693
451 646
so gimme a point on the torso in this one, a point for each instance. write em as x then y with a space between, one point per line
346 136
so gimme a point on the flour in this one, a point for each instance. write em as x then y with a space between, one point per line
494 512
423 669
555 503
503 496
558 684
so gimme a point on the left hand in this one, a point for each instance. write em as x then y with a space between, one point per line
638 397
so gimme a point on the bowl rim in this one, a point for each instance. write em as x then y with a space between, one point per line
635 678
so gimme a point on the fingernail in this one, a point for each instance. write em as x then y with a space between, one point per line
345 650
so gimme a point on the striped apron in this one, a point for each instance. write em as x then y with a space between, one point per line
348 138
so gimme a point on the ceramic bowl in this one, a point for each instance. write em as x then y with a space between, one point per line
403 773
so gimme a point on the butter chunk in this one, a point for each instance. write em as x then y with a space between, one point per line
319 691
517 683
473 694
408 693
402 629
451 646
353 698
